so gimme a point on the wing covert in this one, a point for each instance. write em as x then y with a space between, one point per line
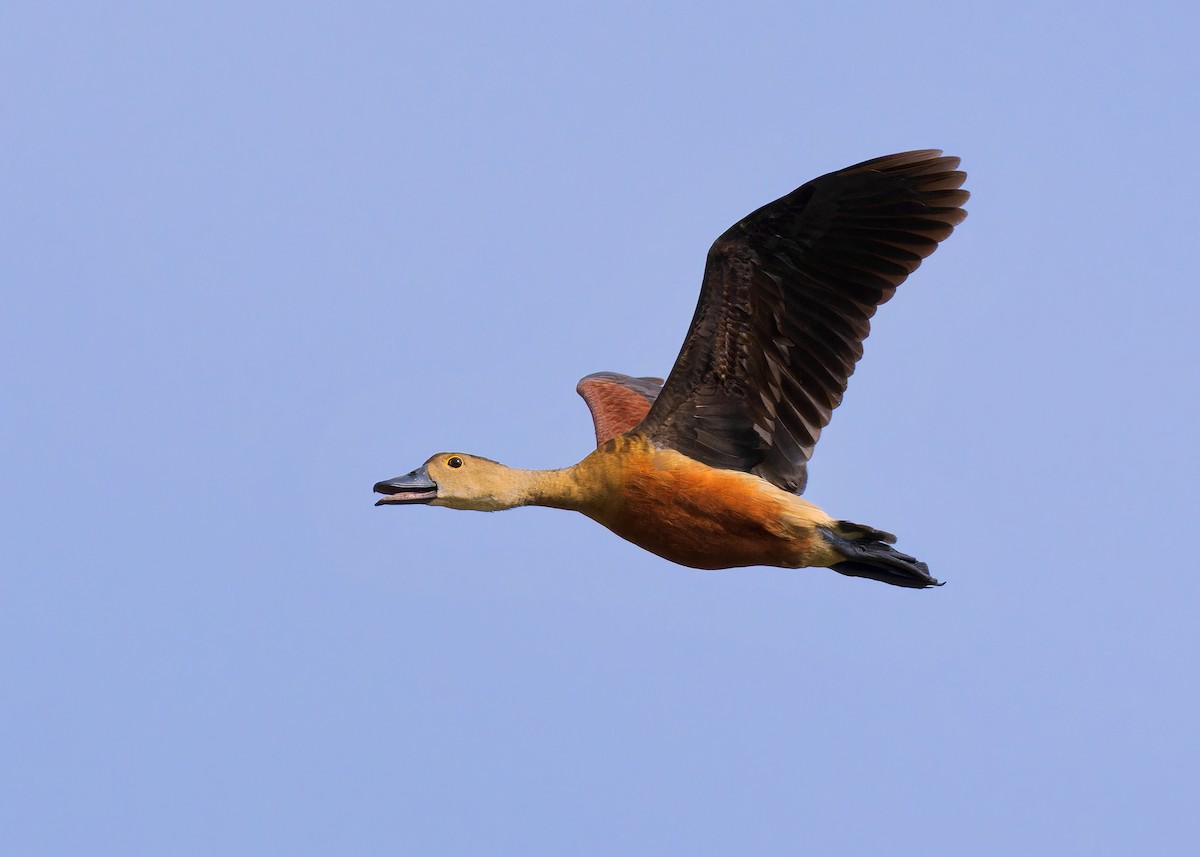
618 402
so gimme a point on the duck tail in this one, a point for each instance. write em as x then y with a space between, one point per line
869 553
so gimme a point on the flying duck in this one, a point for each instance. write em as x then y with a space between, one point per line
705 469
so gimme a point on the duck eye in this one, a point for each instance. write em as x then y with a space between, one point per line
454 461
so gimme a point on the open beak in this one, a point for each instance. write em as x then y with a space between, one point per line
415 487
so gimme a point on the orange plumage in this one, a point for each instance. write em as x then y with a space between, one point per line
696 515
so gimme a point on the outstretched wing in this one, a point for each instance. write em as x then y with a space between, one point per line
786 303
617 402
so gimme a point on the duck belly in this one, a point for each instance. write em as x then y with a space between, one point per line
707 518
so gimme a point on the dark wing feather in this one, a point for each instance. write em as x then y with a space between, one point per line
786 303
617 402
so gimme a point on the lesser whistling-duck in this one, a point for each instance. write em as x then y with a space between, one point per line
705 468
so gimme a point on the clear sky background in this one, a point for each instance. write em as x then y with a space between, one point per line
256 257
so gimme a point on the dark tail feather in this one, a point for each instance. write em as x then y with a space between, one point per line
868 555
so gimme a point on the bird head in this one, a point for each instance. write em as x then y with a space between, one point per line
455 480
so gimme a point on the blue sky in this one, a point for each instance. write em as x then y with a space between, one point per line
257 257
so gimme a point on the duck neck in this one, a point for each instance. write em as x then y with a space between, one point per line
557 489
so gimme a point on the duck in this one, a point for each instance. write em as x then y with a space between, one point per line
706 468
